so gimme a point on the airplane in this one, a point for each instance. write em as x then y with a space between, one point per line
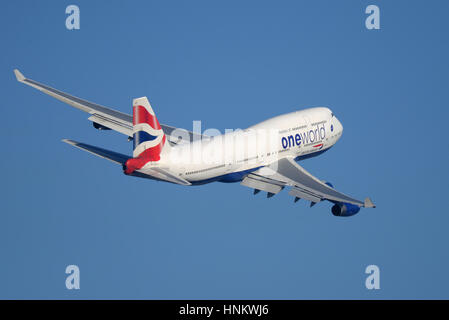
285 139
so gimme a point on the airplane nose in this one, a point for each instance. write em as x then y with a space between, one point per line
340 126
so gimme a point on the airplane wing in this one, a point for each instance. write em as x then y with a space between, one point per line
102 117
287 173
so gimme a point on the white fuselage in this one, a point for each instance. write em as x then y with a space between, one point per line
228 157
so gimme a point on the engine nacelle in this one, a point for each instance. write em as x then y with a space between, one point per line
329 184
344 209
99 126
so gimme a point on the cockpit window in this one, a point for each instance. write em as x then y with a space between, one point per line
332 114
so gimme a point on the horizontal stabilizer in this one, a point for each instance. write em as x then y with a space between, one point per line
100 152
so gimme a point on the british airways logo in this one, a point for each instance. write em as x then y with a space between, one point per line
314 135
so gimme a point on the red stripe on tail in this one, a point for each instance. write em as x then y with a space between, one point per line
141 115
151 154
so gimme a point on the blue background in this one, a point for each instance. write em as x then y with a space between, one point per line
229 64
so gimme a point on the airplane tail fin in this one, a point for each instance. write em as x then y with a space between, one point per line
149 140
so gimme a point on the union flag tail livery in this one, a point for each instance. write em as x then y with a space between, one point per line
148 137
231 157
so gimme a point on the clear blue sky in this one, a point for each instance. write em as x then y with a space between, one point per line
229 64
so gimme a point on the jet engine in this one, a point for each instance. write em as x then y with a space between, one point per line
99 126
344 209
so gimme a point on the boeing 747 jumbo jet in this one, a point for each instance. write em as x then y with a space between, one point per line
262 157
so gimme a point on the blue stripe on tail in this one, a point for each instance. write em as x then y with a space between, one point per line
141 136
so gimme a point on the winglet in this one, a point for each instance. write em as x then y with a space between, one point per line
369 203
73 143
19 75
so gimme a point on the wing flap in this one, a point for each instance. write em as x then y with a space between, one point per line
304 194
258 184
